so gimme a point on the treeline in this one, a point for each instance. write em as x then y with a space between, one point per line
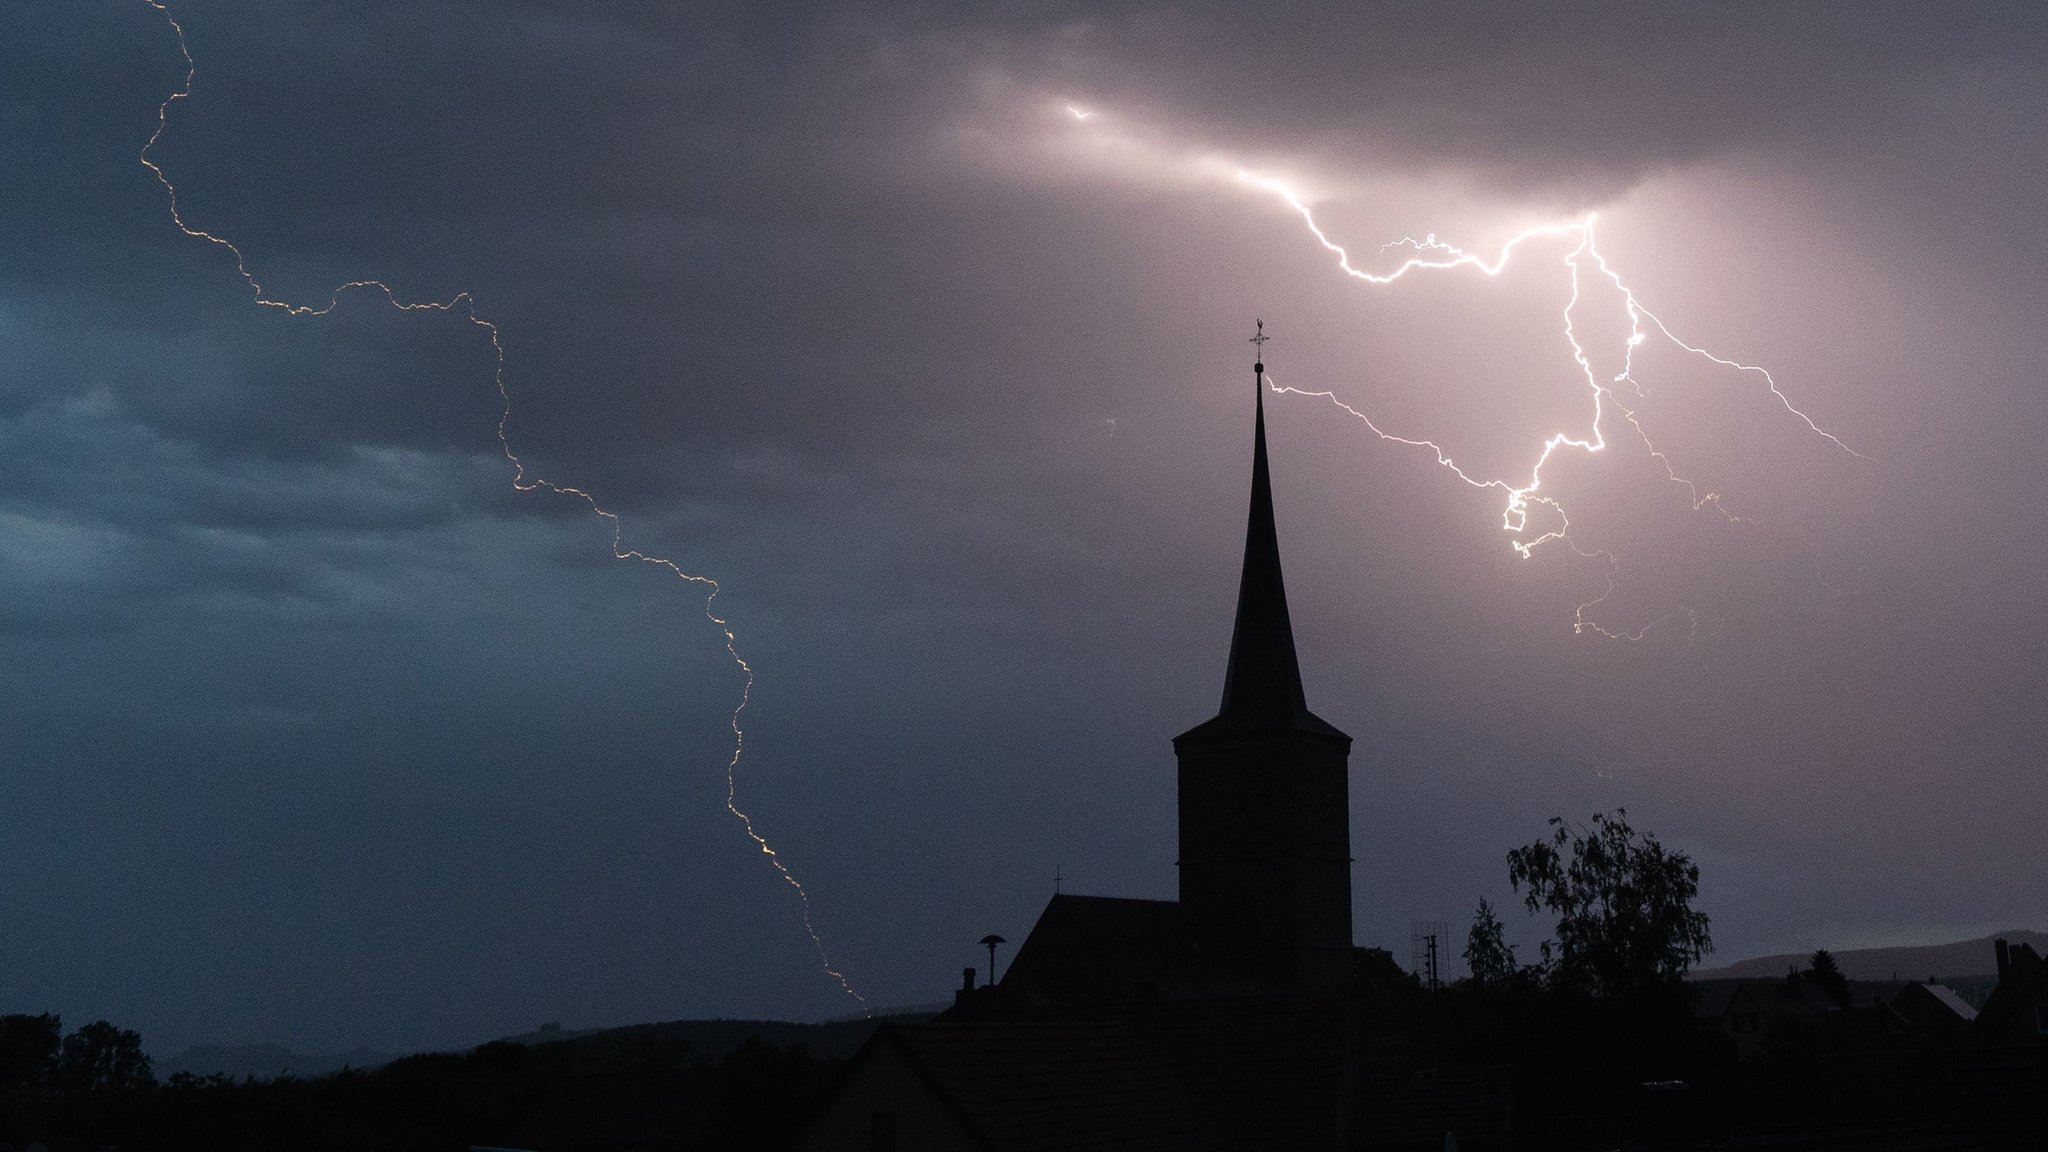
608 1091
1600 1035
1554 1050
35 1054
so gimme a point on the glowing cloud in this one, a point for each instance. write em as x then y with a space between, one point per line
1432 255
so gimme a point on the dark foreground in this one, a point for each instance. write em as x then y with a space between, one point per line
1515 1066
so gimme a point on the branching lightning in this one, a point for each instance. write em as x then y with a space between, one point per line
465 304
1430 254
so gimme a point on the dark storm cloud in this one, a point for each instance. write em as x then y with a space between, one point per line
683 173
1575 98
317 731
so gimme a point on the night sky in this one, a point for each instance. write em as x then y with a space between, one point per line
316 730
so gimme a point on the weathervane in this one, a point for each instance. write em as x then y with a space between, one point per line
1260 342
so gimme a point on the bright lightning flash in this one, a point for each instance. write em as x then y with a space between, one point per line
1430 254
465 304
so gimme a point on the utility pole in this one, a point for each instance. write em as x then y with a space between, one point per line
1425 941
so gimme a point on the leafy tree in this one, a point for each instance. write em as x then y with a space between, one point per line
1823 971
28 1049
100 1057
1625 921
1381 975
1487 953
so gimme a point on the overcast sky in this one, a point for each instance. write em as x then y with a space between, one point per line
316 730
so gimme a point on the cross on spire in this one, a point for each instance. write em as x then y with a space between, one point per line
1259 342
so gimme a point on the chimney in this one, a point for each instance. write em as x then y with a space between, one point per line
964 998
2004 958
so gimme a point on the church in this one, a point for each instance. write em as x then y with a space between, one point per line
1265 834
1226 1019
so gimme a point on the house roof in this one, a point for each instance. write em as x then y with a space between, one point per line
1250 1072
1057 1086
1271 1070
1717 998
1946 997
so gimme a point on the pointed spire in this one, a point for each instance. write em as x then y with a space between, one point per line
1263 683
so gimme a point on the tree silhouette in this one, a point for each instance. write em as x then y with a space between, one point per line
1625 920
28 1049
1823 970
1488 955
101 1057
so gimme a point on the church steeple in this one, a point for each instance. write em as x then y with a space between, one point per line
1265 813
1262 683
1263 679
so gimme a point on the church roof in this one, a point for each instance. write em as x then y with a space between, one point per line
1099 948
1262 690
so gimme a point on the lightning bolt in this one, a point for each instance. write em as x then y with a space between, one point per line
1431 254
464 304
1582 260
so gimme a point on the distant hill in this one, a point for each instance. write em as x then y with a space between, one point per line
1964 958
923 1011
831 1040
265 1061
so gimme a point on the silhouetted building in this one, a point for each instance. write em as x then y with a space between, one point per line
1745 1010
1265 835
1191 1074
1227 1018
970 1087
1932 1010
1265 814
2000 1081
1100 949
2017 1012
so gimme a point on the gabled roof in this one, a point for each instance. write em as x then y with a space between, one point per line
1262 686
1947 998
1717 998
1099 948
1063 1087
1243 1073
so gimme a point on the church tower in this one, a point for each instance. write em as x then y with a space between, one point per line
1265 817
